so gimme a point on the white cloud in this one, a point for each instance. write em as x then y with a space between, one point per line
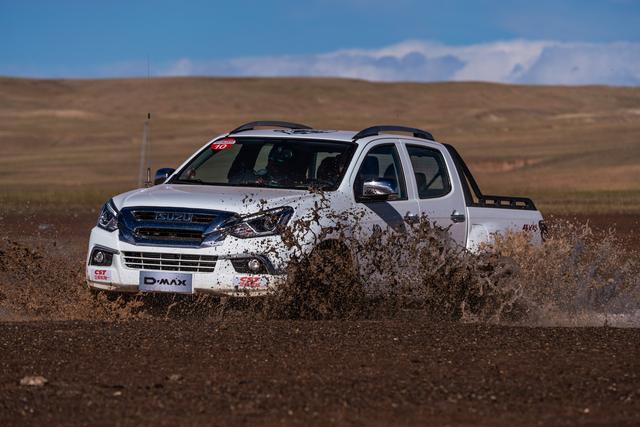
182 67
516 61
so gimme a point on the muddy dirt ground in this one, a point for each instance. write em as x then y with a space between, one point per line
237 370
317 373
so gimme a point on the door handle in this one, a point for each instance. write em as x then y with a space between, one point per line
411 218
457 216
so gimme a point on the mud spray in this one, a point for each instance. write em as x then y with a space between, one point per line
576 278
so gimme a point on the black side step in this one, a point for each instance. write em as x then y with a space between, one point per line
269 123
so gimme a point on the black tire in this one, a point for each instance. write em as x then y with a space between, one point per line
338 291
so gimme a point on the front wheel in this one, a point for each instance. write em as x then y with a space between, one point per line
323 285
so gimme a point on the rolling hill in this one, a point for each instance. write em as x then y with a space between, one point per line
575 149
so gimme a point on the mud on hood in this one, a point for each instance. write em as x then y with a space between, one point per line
242 200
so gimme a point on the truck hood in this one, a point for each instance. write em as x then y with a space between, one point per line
242 200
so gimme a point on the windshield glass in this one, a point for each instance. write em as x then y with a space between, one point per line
269 162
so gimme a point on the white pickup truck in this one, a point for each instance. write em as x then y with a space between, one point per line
213 224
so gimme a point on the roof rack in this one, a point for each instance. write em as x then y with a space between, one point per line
375 130
270 123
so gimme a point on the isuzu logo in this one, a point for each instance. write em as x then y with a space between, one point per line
174 216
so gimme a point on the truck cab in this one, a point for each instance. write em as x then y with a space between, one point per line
214 223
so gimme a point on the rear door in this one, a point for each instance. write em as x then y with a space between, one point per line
432 179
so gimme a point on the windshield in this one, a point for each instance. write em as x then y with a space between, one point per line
269 162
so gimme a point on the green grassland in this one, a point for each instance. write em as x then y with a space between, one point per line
574 149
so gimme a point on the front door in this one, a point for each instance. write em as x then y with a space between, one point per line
382 160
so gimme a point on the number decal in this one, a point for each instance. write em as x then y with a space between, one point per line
223 144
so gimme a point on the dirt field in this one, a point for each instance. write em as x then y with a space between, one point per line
403 372
234 369
68 145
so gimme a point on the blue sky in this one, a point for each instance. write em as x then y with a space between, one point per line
378 40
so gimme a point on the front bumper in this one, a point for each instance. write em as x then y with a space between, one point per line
223 280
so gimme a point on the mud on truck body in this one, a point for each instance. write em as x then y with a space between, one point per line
213 225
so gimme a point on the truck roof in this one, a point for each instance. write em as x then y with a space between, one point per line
334 135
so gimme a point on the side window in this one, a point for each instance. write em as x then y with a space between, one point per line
381 162
430 172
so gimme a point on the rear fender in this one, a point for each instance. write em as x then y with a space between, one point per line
484 223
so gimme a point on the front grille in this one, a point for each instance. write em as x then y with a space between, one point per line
170 262
198 218
171 226
173 234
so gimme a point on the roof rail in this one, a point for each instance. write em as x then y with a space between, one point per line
270 123
375 130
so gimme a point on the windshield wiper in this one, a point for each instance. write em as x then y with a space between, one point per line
316 183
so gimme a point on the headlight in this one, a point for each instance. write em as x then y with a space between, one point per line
108 219
265 223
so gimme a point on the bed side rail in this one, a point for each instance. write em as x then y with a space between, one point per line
474 197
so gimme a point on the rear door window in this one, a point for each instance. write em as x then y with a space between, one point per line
429 171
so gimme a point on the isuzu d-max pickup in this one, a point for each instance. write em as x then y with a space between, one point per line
213 224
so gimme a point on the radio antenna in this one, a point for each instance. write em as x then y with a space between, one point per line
145 147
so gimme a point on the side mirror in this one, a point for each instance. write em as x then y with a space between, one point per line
162 175
379 189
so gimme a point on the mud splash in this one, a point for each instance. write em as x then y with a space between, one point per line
42 283
389 272
576 278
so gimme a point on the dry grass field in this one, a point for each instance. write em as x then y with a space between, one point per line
574 149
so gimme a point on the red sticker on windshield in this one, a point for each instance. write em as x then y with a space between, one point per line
223 143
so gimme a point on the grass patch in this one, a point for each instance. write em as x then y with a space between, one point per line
588 202
57 199
77 142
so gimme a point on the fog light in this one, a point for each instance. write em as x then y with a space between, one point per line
250 265
254 265
101 257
